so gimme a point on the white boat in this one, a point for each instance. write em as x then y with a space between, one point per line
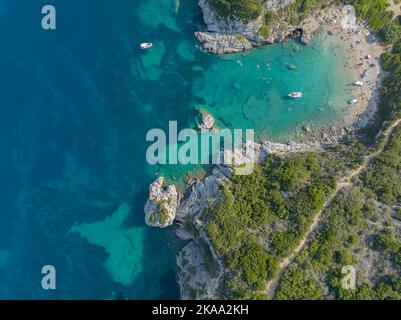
146 45
353 101
358 83
296 95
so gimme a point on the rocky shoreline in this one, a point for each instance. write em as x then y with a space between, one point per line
227 35
231 35
199 267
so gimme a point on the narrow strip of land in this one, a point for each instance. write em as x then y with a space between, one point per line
345 182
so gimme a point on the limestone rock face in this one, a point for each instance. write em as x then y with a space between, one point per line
226 35
204 194
218 43
231 25
161 207
198 279
274 5
232 35
199 285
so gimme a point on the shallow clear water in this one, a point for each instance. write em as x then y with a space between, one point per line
76 104
251 90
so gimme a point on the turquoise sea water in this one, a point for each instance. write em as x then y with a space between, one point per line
251 90
76 104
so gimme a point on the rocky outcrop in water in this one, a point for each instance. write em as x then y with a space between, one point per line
207 121
161 207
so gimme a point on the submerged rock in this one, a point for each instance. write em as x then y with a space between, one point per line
207 121
161 207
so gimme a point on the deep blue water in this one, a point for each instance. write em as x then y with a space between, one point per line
74 111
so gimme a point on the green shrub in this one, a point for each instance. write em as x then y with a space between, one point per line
243 9
265 31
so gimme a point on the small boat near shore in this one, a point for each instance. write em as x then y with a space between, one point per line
352 101
146 45
358 83
295 95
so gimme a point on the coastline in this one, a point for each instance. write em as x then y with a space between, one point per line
199 269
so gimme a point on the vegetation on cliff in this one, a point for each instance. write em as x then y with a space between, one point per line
242 9
265 215
358 229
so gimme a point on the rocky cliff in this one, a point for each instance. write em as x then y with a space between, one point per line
228 34
218 43
231 35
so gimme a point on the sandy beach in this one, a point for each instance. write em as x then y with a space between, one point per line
364 58
363 53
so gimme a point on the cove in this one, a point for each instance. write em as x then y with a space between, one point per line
250 90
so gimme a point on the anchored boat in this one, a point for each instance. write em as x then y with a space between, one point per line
146 45
296 95
352 101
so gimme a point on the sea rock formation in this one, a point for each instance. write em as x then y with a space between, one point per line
207 121
161 207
